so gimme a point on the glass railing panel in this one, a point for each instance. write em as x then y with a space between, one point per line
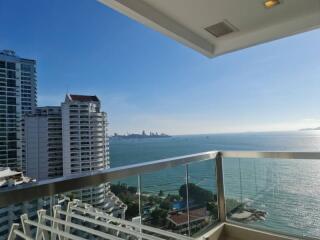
162 199
279 195
202 197
155 199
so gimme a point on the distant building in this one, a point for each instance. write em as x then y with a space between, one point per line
18 90
43 143
61 141
17 96
178 220
85 146
85 139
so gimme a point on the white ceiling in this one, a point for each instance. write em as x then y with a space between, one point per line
186 20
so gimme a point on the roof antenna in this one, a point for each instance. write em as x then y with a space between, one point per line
67 89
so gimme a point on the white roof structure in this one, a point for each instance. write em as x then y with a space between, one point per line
7 172
215 27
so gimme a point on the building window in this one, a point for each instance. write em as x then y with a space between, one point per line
12 136
12 145
11 109
12 154
11 101
11 83
25 68
11 65
11 74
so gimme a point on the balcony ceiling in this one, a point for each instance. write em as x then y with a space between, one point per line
186 20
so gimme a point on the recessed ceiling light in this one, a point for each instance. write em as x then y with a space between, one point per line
271 3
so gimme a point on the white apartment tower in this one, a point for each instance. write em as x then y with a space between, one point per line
17 96
43 143
85 143
71 139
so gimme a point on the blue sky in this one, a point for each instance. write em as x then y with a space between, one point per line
148 81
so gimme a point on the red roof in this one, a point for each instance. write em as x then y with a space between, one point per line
84 98
181 218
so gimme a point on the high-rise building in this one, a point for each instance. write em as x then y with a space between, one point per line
43 143
71 139
85 143
17 96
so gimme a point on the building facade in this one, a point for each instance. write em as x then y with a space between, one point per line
71 139
18 92
85 143
43 143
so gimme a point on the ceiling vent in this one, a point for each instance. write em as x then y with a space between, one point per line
221 29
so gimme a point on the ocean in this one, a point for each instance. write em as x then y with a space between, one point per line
288 190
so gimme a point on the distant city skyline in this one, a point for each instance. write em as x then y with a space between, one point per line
149 82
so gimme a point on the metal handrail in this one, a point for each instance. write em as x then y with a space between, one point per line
27 192
271 154
44 188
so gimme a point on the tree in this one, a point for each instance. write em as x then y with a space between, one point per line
132 190
165 204
133 210
212 208
197 194
159 216
119 188
161 193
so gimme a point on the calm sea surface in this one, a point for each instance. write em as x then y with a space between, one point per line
289 190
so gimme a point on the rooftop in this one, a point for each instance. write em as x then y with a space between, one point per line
6 172
83 98
181 218
8 52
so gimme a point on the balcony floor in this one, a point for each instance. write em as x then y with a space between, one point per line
228 231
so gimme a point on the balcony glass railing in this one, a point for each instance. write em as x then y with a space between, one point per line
281 195
174 198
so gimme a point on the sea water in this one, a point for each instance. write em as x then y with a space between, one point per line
288 190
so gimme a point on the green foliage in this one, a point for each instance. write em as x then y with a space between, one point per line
212 208
129 197
199 195
119 188
158 217
165 204
173 198
132 190
133 210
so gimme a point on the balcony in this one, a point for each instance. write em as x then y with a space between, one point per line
212 195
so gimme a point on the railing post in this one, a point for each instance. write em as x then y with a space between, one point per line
187 194
139 197
12 234
25 227
55 225
41 233
220 188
